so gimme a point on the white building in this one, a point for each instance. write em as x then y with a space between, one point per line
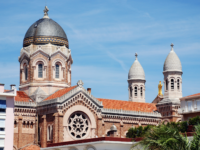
7 117
190 106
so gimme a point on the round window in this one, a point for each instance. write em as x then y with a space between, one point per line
78 125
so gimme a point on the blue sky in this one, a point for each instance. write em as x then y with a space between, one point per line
104 36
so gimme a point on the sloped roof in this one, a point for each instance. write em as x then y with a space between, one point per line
39 91
60 93
128 105
31 147
22 97
197 94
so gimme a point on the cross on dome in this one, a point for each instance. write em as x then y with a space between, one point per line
46 12
136 55
172 45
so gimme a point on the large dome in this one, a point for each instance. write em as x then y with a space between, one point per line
172 62
136 71
45 31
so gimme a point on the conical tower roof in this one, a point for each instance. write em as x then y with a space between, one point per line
172 62
136 71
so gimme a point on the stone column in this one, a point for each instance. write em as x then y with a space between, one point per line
36 129
60 127
44 132
20 132
121 129
55 128
100 129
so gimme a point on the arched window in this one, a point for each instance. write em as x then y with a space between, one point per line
166 85
52 132
26 72
57 71
40 71
48 133
135 91
27 125
39 131
141 91
172 84
15 124
178 84
131 90
24 124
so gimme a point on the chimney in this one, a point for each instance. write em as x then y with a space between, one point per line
89 90
1 88
12 86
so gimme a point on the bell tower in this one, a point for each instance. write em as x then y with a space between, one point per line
136 82
172 71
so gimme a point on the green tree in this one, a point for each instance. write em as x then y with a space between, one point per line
195 143
164 137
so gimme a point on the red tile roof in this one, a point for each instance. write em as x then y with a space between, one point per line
198 94
128 105
60 93
22 97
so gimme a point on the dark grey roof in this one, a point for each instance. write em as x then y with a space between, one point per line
45 27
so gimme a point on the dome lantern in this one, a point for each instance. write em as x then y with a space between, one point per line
113 128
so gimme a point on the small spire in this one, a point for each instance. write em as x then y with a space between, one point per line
46 12
172 45
136 55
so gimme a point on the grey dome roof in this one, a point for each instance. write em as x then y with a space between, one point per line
136 71
113 128
172 62
45 30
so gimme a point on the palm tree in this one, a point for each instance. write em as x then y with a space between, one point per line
195 143
169 138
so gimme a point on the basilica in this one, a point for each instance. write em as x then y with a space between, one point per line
48 109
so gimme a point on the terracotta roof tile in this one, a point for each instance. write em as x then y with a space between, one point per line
22 97
198 94
60 93
127 105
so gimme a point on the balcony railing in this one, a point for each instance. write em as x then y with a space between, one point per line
187 111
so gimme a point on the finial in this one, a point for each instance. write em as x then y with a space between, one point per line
80 83
136 55
172 45
46 12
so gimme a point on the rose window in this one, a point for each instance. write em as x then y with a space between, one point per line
78 125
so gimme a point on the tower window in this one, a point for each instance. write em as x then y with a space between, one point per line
40 71
178 84
135 91
26 72
141 91
131 90
166 85
172 84
57 71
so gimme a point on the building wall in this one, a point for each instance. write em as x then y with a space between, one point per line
190 107
48 55
9 123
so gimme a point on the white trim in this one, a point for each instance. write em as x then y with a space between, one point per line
89 143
